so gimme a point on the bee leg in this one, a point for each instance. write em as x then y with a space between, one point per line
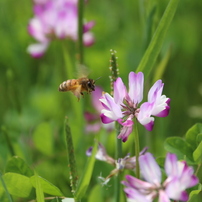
82 94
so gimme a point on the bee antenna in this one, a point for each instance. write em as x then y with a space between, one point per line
97 78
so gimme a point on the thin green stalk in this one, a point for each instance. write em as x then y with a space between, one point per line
117 185
198 168
71 157
8 141
80 32
137 150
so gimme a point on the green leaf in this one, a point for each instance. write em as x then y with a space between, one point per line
150 56
192 133
18 165
193 195
199 138
179 147
85 180
96 194
8 196
17 185
46 186
43 138
197 155
39 189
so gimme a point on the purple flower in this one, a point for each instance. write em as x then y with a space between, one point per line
123 107
120 164
93 119
179 177
55 19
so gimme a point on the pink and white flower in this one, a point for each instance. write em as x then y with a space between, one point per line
123 107
93 123
179 177
55 19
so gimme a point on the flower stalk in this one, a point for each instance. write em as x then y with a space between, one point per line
137 150
80 31
114 69
71 157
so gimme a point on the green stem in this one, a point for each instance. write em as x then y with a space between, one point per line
198 168
8 141
137 150
117 156
80 31
71 157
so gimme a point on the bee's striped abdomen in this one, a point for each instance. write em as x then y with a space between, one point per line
66 85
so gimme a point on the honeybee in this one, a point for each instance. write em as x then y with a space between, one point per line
78 86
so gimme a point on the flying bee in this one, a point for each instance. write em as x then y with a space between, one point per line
78 86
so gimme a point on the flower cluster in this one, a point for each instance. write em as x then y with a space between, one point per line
55 19
120 164
123 106
179 177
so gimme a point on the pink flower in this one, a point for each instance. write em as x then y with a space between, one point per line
93 119
123 107
55 19
179 177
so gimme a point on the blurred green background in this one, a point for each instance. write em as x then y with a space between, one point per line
32 110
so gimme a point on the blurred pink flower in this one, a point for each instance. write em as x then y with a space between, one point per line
179 177
55 19
123 107
93 119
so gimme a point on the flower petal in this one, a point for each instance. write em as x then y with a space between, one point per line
160 102
136 84
163 197
136 183
119 91
136 195
88 26
113 110
171 165
150 169
144 115
126 130
88 39
175 191
106 119
37 50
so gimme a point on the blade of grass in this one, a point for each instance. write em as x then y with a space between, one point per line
150 56
85 180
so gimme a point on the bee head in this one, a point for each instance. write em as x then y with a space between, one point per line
91 84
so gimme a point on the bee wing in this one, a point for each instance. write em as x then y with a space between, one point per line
82 71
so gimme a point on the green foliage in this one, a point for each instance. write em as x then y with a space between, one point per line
18 165
38 186
43 186
156 43
18 185
87 174
33 111
43 138
189 148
